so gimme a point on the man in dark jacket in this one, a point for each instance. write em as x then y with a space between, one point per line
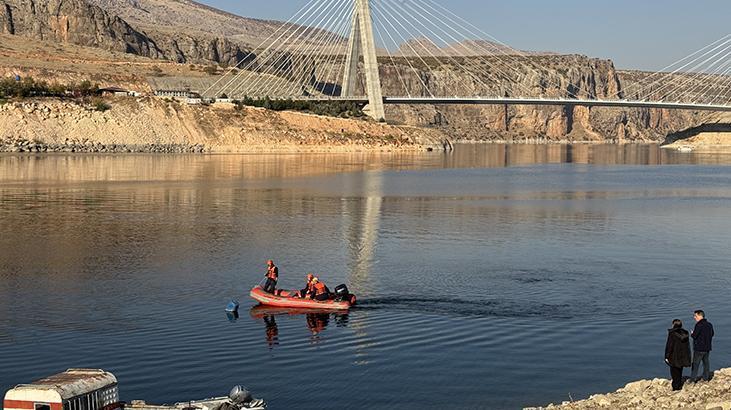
702 337
677 352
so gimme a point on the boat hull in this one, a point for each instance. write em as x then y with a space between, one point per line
268 299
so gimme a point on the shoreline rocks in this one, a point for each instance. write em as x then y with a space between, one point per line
89 147
152 125
658 394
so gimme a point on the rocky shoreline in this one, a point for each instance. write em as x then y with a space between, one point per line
158 126
90 147
658 394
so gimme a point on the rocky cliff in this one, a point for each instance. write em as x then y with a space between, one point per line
76 22
83 23
545 76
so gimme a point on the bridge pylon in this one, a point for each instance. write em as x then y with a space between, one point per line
362 42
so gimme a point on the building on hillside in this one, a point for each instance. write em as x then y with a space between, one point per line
74 389
117 92
177 94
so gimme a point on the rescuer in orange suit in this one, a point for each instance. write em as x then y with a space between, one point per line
272 276
308 289
321 292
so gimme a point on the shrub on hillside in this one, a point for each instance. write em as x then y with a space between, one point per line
344 109
29 87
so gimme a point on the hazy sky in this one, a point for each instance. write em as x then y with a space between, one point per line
643 34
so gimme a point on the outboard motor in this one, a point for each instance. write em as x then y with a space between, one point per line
341 293
239 395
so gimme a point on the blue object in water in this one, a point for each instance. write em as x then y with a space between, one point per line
233 306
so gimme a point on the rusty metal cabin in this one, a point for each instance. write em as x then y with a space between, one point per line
74 389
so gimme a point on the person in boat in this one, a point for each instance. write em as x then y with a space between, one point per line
271 276
320 291
308 289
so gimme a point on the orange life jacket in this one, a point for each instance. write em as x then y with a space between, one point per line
272 272
320 288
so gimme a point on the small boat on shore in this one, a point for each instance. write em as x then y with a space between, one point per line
284 299
96 389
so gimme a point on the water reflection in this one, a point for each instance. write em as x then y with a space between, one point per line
316 321
44 169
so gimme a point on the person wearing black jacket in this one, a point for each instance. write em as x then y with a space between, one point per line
677 352
702 338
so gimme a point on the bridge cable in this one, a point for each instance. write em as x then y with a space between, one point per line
248 71
378 11
476 32
685 77
377 30
286 52
450 57
640 84
301 58
470 53
470 69
304 10
378 18
278 54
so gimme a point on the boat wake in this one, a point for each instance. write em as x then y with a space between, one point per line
463 307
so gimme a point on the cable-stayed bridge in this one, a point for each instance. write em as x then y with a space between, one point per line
342 49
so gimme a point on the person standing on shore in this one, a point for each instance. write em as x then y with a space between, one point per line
271 276
702 337
677 352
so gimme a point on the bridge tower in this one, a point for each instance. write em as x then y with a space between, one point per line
362 42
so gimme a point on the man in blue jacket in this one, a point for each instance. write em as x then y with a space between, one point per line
702 337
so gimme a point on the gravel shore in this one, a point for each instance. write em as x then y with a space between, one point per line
658 394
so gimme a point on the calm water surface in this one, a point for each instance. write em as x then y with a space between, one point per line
494 277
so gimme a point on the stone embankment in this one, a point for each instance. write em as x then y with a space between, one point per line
658 394
154 125
86 146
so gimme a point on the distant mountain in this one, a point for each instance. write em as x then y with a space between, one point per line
171 20
180 30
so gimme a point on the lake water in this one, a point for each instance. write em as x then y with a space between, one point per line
494 277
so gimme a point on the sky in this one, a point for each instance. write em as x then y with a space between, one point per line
635 34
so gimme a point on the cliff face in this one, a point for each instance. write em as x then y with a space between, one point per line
184 48
83 23
73 21
556 77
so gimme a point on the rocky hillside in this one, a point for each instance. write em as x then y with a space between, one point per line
151 124
73 21
188 31
184 31
190 17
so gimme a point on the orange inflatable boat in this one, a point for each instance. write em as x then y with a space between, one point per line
343 301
